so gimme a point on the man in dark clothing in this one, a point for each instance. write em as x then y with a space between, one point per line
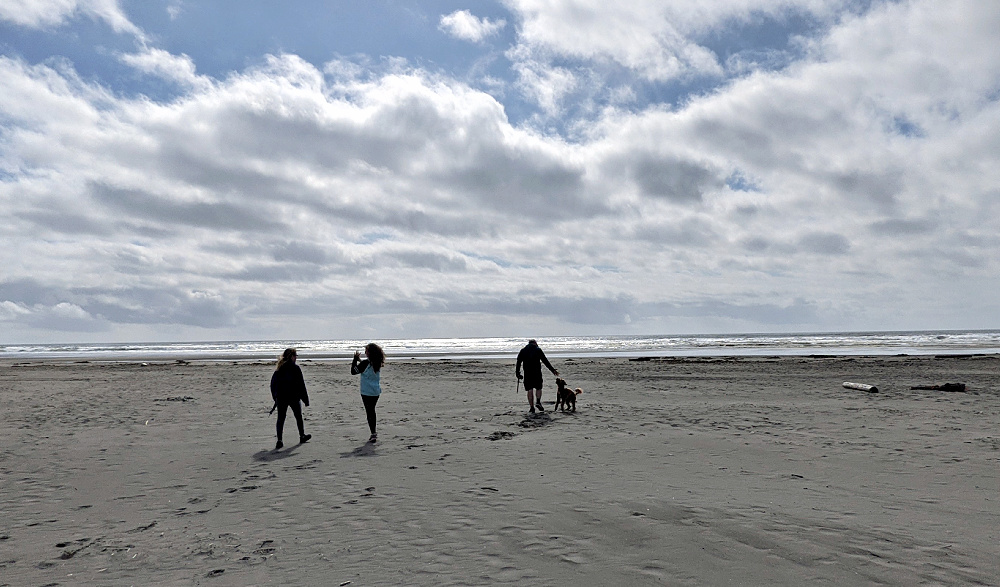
532 357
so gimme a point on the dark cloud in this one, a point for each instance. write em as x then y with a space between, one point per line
148 206
798 312
584 310
529 184
65 221
682 182
279 272
901 227
142 305
433 261
757 244
746 137
218 169
416 222
876 187
65 318
684 232
824 243
388 140
31 292
300 252
90 309
592 310
817 243
619 310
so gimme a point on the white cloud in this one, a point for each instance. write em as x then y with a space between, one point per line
544 84
10 311
61 317
287 196
71 311
267 154
657 41
462 24
46 13
638 35
39 13
175 9
176 68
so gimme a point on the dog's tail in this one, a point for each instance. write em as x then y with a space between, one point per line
577 391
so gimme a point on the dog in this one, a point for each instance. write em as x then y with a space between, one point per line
566 397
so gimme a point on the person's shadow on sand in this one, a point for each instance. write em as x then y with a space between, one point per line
275 455
365 450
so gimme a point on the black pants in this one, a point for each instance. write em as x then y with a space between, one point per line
370 401
297 410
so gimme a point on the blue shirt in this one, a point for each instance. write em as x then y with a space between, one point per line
370 381
369 377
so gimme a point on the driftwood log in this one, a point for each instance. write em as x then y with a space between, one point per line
861 387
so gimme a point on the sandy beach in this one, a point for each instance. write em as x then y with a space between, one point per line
696 471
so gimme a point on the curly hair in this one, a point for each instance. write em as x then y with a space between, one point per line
376 355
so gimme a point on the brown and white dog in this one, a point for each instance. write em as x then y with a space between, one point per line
566 397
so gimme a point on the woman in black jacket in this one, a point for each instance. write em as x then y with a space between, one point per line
287 389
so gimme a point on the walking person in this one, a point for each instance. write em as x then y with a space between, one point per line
371 388
532 357
288 388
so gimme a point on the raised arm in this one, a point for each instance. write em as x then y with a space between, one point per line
358 365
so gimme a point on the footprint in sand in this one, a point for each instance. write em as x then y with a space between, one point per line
535 421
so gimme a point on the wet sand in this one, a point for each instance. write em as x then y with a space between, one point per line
700 471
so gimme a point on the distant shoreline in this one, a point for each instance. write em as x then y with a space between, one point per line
933 342
156 359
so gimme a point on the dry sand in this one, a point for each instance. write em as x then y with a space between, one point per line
752 471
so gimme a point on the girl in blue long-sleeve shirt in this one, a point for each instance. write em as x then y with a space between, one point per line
369 369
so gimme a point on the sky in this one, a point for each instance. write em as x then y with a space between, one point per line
182 170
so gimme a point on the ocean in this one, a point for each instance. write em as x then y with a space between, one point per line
943 342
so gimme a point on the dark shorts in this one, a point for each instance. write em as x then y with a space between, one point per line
532 381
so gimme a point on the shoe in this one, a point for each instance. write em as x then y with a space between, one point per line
531 411
305 438
373 438
539 406
278 445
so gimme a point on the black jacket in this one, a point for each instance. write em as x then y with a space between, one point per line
532 357
288 386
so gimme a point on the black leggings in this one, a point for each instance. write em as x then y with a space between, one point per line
370 401
297 410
